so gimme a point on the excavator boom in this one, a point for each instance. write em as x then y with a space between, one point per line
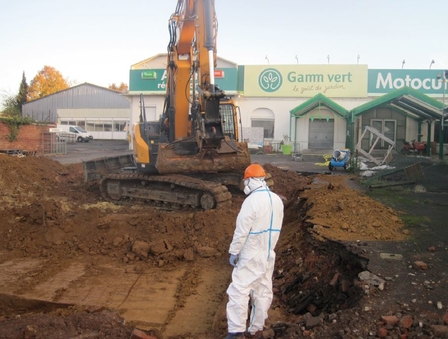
197 136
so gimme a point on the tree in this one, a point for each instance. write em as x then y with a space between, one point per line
9 103
23 92
46 82
12 104
122 88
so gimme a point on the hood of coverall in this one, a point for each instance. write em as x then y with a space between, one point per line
252 184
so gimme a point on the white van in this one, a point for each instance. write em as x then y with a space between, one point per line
78 132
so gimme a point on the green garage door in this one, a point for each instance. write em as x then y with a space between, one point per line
321 134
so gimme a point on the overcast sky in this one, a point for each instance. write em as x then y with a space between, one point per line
97 41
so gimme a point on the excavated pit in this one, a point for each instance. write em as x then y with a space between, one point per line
325 281
314 274
66 253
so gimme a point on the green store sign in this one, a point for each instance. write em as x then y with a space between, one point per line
154 80
382 81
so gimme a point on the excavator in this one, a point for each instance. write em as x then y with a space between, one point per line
192 155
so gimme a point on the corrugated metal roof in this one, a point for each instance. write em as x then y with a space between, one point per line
82 96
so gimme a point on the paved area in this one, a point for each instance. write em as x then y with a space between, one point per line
293 163
79 152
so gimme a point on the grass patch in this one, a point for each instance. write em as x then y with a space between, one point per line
414 220
391 197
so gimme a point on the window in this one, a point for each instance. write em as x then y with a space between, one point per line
268 127
68 122
107 126
80 129
387 127
227 120
120 126
98 126
265 118
81 123
90 126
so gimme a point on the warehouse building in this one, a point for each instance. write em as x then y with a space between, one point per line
102 112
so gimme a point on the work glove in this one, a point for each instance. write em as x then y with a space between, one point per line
234 259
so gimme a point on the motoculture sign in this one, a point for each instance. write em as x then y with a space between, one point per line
383 81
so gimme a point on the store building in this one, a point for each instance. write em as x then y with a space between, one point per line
313 106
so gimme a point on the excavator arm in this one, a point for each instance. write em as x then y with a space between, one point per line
190 77
189 157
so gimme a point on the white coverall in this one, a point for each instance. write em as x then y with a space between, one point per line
257 231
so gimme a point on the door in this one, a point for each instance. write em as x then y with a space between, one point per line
385 127
321 134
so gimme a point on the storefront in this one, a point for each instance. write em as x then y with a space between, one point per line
313 106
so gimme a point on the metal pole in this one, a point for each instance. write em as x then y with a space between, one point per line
442 122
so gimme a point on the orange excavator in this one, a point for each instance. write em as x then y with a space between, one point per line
191 155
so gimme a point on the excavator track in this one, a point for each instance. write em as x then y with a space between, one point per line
172 192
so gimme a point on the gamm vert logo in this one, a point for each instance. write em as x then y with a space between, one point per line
270 80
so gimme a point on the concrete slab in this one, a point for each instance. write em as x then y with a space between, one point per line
145 298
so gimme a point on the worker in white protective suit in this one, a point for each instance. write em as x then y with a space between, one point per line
252 254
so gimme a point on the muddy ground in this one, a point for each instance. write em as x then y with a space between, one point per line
75 266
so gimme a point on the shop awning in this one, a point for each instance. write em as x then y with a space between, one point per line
317 101
411 102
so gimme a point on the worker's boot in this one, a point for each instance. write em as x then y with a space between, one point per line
257 335
238 335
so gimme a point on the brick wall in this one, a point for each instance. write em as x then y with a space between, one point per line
29 138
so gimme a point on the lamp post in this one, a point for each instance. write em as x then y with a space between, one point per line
432 62
443 77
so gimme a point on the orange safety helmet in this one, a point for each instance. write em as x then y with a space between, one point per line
254 171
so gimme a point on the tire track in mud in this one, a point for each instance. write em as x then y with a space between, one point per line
200 294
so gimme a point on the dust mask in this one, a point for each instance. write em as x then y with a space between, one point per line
252 184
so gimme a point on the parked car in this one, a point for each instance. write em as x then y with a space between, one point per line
79 133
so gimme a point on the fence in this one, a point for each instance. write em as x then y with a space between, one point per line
276 147
412 171
52 144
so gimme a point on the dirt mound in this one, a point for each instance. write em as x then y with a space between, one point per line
340 213
37 175
336 208
49 213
